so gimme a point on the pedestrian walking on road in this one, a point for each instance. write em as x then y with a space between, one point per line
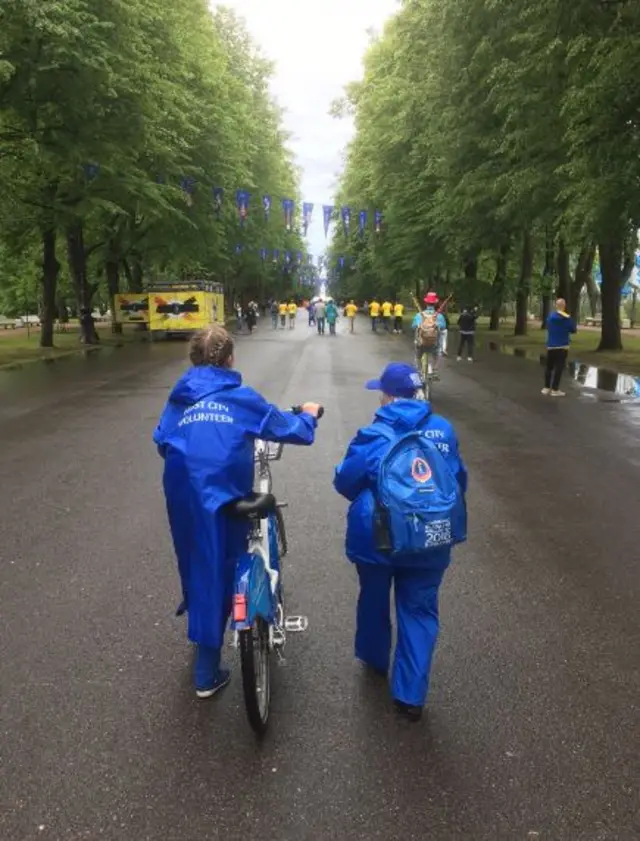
273 309
444 336
293 313
205 436
374 312
283 309
311 309
250 317
398 314
350 311
381 545
332 317
321 316
467 327
387 309
560 326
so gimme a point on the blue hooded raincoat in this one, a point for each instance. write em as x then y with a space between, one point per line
206 435
417 579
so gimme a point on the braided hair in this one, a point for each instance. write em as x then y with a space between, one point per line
211 346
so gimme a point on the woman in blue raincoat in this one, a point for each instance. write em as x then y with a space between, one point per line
416 580
206 436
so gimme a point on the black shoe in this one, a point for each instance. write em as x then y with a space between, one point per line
413 714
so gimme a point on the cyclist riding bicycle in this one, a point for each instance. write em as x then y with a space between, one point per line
427 326
205 436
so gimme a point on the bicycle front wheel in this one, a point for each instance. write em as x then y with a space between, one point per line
256 674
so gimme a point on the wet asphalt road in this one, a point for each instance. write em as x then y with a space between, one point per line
533 725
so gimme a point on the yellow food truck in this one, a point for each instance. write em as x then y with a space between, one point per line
173 309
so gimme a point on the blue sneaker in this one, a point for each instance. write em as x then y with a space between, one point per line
222 679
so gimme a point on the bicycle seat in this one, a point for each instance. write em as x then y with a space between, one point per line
254 506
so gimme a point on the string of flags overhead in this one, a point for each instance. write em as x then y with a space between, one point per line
291 258
330 212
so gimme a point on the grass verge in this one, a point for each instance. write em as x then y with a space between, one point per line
18 348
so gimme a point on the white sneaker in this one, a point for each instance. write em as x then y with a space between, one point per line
469 359
459 359
558 394
545 390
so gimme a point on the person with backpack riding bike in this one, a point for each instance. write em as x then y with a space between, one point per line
428 326
406 482
206 437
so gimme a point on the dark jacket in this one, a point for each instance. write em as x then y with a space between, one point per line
467 322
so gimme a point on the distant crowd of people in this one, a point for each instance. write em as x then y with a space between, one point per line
389 315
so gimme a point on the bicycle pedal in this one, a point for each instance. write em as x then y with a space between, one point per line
278 637
296 624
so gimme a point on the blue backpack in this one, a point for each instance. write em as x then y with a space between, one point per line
420 498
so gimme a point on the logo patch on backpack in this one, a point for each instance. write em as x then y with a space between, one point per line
420 470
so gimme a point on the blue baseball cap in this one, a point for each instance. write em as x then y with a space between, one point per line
397 380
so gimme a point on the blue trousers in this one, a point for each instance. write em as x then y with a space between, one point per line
416 597
206 666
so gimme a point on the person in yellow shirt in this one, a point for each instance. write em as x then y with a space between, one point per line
293 312
398 312
282 310
350 311
374 312
387 308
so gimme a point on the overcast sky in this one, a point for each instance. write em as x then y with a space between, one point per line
317 48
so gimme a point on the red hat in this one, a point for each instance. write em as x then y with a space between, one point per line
431 298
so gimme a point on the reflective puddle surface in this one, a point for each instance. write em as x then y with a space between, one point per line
620 387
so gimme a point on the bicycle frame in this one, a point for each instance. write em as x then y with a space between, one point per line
257 571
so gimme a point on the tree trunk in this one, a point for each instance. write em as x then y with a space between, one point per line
593 294
78 270
547 277
134 273
611 267
113 285
564 275
583 271
497 288
50 270
524 285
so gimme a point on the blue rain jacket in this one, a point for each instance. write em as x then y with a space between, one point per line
206 435
560 326
357 477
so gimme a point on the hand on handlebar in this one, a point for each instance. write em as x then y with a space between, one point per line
314 409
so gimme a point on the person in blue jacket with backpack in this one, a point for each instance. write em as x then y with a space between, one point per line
406 482
206 437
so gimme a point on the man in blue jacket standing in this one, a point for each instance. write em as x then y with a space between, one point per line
560 326
416 578
206 436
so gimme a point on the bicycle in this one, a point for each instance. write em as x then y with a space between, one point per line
258 619
428 375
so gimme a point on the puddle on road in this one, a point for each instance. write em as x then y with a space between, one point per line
623 388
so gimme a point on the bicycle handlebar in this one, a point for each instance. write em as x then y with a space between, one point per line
297 410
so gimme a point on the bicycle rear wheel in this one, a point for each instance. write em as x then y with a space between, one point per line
426 377
256 674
